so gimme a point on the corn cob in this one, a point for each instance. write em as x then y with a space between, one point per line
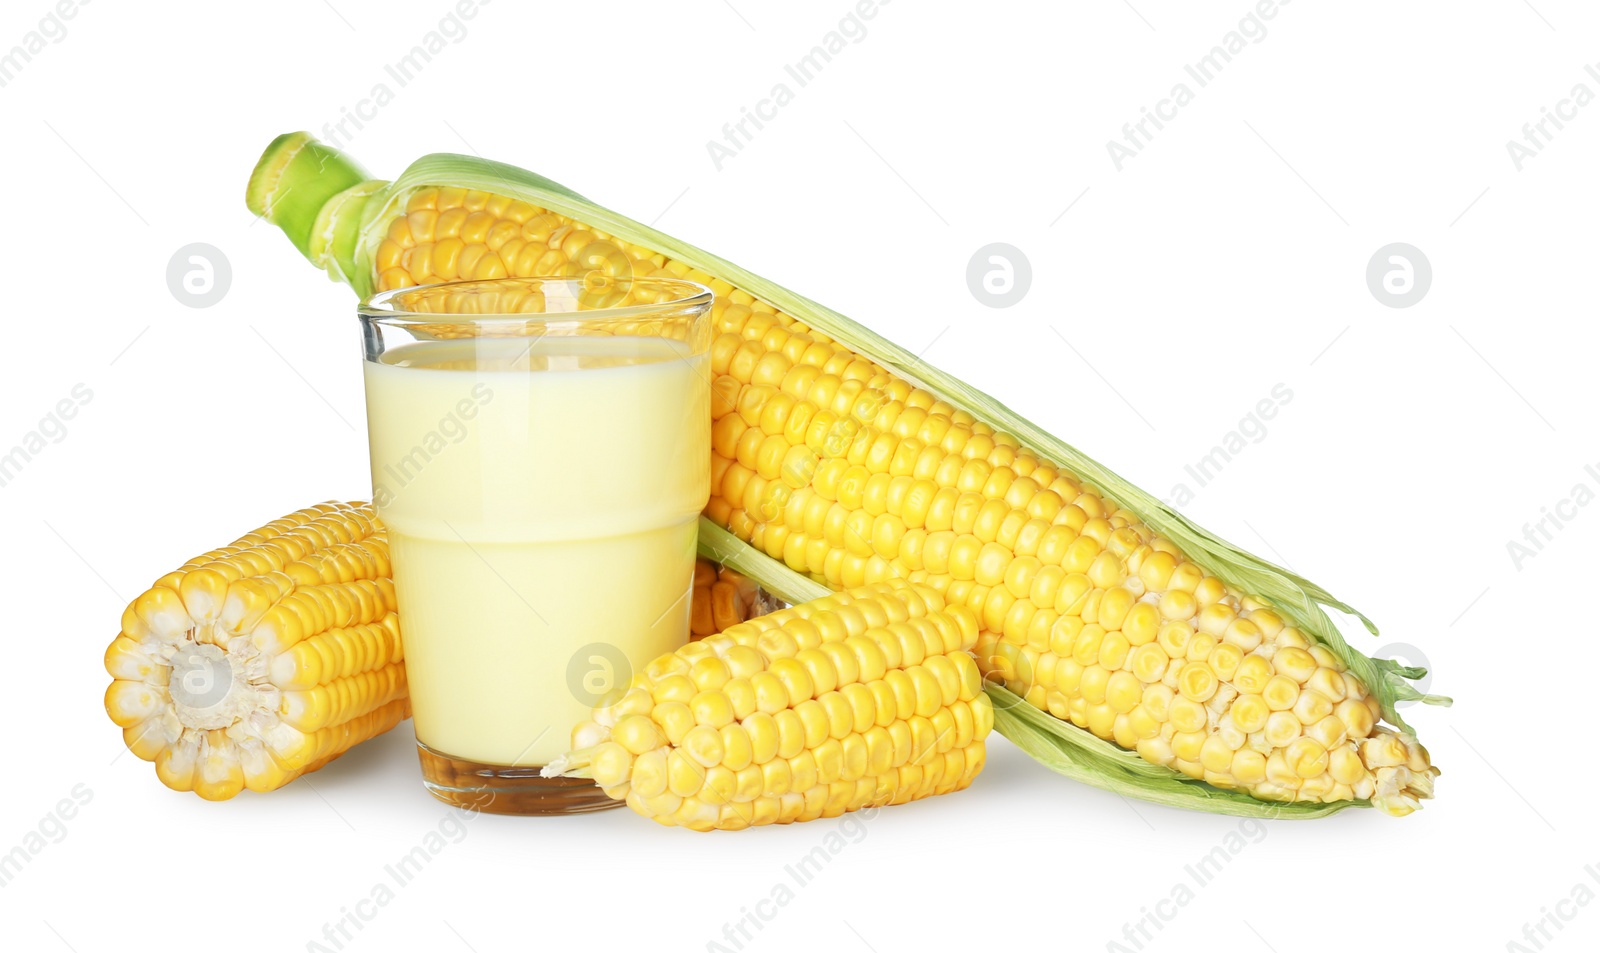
1098 604
265 659
859 699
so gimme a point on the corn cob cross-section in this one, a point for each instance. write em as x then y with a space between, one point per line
861 698
265 659
842 457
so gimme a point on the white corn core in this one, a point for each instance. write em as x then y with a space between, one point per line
212 688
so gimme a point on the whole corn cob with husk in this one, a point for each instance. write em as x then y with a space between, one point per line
858 699
265 659
1124 645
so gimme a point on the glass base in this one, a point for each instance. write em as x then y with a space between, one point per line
507 789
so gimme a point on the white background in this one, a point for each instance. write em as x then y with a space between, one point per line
1167 299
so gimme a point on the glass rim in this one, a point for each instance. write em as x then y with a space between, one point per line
687 296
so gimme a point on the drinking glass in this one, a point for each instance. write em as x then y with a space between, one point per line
540 452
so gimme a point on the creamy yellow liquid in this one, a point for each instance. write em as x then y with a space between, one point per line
540 496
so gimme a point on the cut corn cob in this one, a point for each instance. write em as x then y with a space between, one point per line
1098 604
265 659
859 699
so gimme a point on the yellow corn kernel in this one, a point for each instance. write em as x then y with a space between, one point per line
1123 692
1187 715
1250 713
1312 706
1280 693
1295 663
1345 766
1177 605
1282 728
1356 716
1307 757
1249 767
1174 639
1187 745
1197 682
